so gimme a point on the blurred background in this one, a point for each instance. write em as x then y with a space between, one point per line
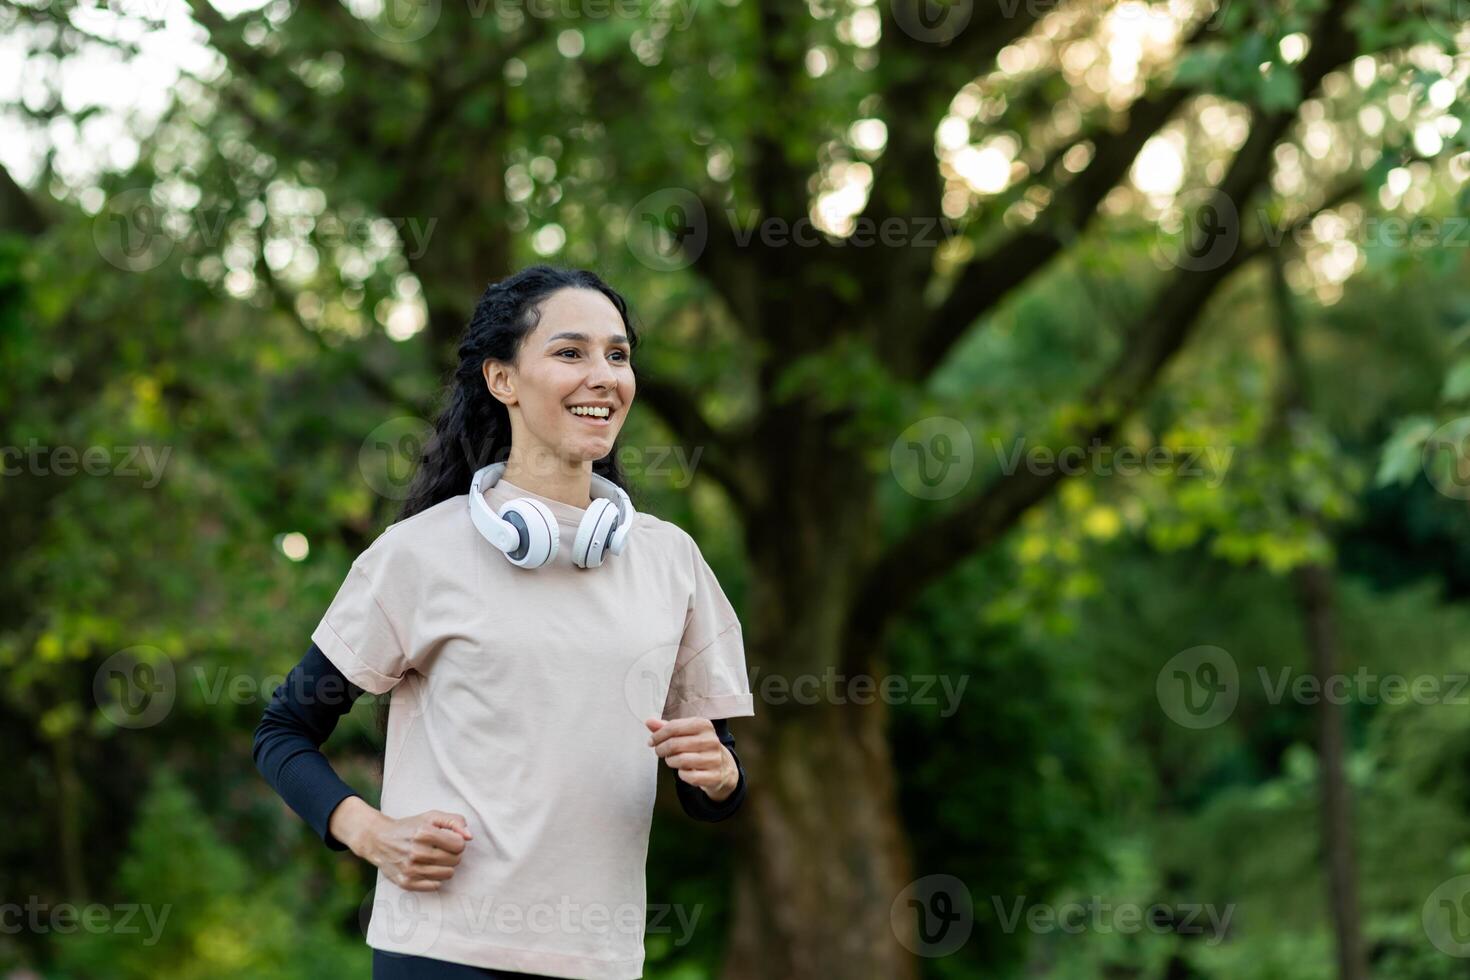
1071 395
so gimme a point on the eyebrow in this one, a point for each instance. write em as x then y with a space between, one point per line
570 335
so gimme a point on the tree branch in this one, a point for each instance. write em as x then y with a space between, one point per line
923 555
988 279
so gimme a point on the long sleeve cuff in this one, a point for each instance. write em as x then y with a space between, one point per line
696 802
312 788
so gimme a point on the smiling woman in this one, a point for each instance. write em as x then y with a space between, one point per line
534 690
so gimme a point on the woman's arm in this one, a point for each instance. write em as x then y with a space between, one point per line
694 800
301 715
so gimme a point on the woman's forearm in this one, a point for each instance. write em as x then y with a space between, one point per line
301 715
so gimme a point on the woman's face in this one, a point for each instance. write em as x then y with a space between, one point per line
577 355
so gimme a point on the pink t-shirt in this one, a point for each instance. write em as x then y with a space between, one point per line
518 701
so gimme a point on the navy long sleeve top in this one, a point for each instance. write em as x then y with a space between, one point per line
303 712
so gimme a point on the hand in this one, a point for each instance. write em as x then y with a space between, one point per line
417 853
691 747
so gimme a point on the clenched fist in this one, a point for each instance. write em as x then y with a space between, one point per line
417 853
691 747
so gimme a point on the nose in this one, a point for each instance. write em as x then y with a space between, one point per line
601 375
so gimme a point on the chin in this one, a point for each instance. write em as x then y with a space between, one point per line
593 449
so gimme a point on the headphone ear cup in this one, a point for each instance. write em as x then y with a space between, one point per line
594 533
536 526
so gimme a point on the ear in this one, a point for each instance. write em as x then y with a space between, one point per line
499 382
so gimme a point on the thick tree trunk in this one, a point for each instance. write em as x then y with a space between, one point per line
825 853
826 856
1314 589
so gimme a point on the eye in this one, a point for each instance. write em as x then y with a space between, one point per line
620 354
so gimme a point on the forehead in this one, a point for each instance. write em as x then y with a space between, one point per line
584 311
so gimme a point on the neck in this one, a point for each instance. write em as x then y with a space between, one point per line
558 480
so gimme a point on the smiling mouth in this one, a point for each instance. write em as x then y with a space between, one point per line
594 420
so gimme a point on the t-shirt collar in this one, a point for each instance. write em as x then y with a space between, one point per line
504 491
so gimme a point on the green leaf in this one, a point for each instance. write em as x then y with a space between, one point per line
1457 382
1200 67
1280 88
1399 461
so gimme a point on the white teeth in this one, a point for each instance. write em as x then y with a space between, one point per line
600 413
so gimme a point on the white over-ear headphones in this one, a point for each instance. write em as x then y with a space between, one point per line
526 530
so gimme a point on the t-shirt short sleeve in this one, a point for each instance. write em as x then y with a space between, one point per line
709 678
364 630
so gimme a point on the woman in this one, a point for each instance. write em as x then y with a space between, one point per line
534 686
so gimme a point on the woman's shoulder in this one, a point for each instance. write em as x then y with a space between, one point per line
431 533
661 534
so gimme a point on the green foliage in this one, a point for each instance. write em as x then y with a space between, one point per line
203 909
